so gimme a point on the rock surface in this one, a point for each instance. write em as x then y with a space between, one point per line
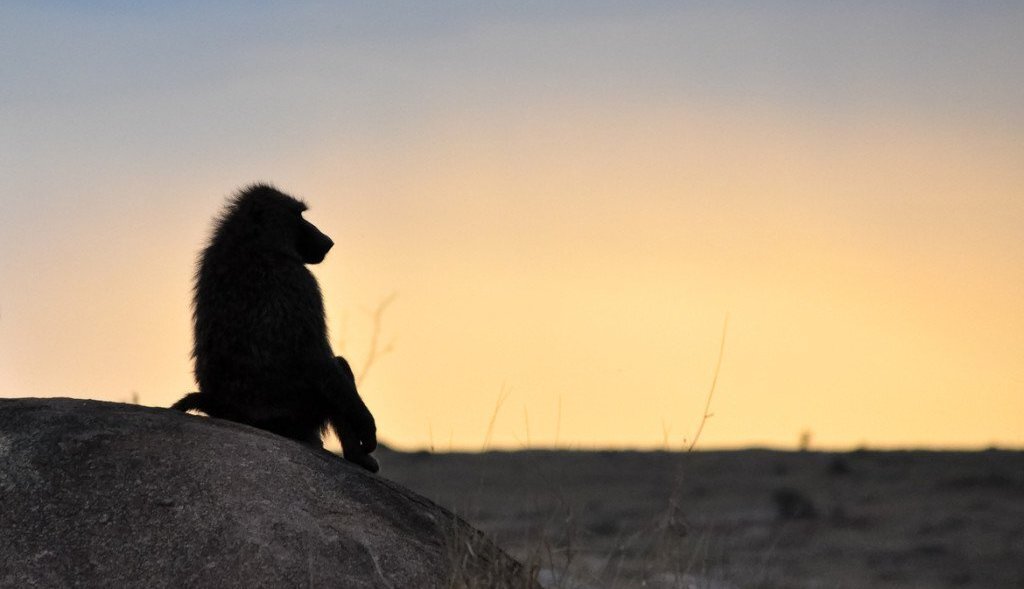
97 494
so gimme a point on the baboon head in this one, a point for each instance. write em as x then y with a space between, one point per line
263 218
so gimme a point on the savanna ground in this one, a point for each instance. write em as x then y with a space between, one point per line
752 518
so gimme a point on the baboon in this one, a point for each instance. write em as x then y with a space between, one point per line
261 351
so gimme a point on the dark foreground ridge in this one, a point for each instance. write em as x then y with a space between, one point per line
96 494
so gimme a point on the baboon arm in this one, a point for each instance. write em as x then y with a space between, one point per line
339 390
349 415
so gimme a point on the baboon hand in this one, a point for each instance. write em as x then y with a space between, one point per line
356 446
364 460
365 428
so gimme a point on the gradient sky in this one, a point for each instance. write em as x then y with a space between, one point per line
567 198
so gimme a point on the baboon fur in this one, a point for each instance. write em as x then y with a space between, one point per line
261 352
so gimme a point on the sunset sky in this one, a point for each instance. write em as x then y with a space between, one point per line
566 198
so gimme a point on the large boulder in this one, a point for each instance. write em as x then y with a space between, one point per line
97 494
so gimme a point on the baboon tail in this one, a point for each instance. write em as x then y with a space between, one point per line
191 401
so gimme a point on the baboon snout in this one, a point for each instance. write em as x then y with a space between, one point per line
328 243
313 244
318 252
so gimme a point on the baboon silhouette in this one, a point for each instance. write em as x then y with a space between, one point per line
261 351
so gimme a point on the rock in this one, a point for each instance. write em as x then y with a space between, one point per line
96 494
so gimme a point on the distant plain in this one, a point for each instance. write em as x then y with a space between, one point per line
753 518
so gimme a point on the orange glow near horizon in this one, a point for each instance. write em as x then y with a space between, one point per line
575 256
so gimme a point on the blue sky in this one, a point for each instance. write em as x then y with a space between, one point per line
604 179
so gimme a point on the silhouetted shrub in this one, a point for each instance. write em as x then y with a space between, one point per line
839 466
792 504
